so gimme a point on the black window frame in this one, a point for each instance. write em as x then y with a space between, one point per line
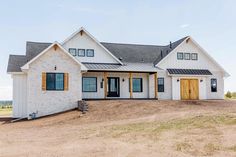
161 85
185 56
83 84
54 89
87 52
73 49
179 53
195 58
212 89
79 54
133 85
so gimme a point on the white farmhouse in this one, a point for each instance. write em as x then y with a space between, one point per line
53 77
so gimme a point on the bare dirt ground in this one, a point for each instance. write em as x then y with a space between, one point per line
132 128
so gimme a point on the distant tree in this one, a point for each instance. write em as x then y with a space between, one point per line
233 94
228 94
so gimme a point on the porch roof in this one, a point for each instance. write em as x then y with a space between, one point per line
126 67
189 72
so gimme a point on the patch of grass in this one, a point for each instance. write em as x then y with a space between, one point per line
5 111
155 128
211 148
183 146
232 148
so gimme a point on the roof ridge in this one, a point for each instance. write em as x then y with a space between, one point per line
133 44
38 42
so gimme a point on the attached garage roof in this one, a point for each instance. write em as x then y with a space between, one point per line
189 72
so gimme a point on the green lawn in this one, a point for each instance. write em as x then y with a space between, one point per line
5 112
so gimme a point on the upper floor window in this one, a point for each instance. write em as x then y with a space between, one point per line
187 56
194 56
180 55
90 52
72 51
81 52
213 85
89 84
55 81
160 84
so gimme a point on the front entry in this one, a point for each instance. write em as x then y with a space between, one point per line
113 87
189 89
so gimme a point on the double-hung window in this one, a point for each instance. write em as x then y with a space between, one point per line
213 85
89 84
81 52
194 56
54 81
187 56
137 85
161 86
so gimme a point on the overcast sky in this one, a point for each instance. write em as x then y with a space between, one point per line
210 23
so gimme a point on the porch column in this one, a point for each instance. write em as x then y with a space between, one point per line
105 85
156 86
131 84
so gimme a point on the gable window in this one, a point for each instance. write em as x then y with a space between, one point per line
81 52
72 51
180 56
194 56
213 85
187 56
137 85
89 84
90 52
161 86
54 81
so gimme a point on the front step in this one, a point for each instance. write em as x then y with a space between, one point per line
83 106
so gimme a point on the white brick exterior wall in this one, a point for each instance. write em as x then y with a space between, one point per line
49 102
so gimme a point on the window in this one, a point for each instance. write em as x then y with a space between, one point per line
89 84
180 56
72 51
160 84
137 85
187 56
55 81
213 85
194 56
90 53
81 52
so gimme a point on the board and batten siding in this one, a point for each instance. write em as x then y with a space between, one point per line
86 42
49 102
19 95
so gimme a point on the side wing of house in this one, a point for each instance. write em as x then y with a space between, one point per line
190 62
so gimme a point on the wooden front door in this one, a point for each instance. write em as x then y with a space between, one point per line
189 89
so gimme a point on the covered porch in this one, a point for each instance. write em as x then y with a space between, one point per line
110 82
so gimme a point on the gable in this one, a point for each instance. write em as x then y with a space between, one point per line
55 47
83 40
204 61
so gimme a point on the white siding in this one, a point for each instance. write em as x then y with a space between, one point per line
203 62
167 94
49 102
86 42
124 86
19 95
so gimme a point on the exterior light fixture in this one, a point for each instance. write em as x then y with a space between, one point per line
55 68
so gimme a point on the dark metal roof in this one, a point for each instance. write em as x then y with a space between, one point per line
189 71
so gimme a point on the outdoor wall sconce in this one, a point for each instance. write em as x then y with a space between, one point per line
177 80
201 80
123 80
102 80
55 68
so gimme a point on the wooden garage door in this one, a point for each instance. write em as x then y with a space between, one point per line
189 89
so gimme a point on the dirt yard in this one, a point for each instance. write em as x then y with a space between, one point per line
135 128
